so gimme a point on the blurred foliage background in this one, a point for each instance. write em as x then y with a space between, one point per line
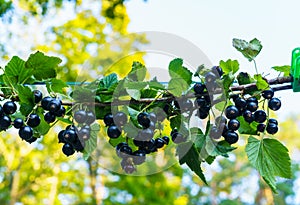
93 35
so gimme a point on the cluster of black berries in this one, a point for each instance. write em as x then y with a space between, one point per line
206 90
54 108
74 137
144 141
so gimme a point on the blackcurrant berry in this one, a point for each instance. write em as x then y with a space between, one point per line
200 102
152 126
138 142
67 149
31 140
252 99
18 123
274 104
159 142
72 127
124 151
231 112
45 102
153 117
120 118
139 157
90 117
49 117
166 139
260 116
5 122
231 137
248 116
70 136
25 132
54 105
84 134
186 105
178 138
9 107
233 124
149 146
33 120
199 88
80 116
240 102
61 138
210 77
272 128
108 119
38 95
215 133
261 127
252 106
79 145
202 114
220 119
121 144
217 70
146 134
113 131
268 94
144 119
1 110
61 112
272 120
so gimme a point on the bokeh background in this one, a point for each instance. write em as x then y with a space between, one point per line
92 35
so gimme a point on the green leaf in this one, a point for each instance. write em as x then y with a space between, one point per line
26 109
261 83
181 77
189 155
43 128
134 93
26 98
286 69
138 72
246 128
244 78
91 144
230 66
108 82
44 67
56 85
270 158
227 81
16 72
249 49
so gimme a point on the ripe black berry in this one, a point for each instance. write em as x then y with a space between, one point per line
108 119
202 114
9 107
146 134
217 70
90 117
199 88
248 116
272 128
178 137
80 116
159 143
67 149
79 145
210 77
37 96
231 112
233 124
31 140
1 110
144 119
5 122
54 105
113 131
260 116
231 137
45 102
268 94
261 127
272 120
252 99
49 117
274 104
120 118
26 132
215 133
123 150
33 120
153 117
84 134
61 112
139 157
61 135
70 136
240 102
166 139
18 123
252 106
